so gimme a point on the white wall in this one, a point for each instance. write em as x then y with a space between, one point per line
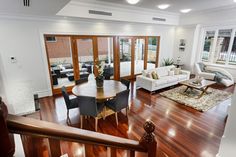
23 38
210 17
190 34
222 18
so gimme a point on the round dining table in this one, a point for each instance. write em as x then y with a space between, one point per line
109 90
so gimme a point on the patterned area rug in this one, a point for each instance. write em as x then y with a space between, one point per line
206 102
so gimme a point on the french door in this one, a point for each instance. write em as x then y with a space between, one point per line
71 57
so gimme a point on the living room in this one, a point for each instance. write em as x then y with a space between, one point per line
187 38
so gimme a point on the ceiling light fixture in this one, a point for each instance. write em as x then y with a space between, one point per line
132 1
163 6
235 1
185 10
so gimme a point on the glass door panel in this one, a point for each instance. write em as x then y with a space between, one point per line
85 57
232 55
125 56
208 45
60 60
139 56
222 46
152 52
105 54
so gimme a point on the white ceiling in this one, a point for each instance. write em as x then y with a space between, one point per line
175 5
52 7
37 7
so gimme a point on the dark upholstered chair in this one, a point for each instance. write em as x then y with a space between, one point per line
120 102
125 82
54 79
108 72
70 103
89 107
81 80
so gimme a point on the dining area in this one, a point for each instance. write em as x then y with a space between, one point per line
97 102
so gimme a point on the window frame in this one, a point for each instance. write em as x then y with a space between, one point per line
214 44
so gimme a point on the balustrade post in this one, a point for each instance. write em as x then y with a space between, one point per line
148 140
7 145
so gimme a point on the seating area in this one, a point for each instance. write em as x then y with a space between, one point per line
117 78
214 73
167 76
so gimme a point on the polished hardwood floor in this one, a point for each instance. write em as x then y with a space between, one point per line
180 131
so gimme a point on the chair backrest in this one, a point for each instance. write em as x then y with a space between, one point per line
66 96
125 82
88 106
122 100
198 69
81 80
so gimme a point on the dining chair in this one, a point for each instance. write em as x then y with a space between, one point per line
89 107
120 102
70 103
81 80
125 82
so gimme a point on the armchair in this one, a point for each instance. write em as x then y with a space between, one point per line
209 73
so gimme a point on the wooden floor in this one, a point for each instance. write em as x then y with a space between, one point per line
181 131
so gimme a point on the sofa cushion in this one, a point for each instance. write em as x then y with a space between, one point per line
181 77
160 82
171 73
149 75
171 79
162 71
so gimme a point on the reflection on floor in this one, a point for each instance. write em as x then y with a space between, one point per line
63 82
180 130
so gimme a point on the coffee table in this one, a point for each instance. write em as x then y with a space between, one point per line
203 86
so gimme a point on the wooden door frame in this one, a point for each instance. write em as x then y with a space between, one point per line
58 90
116 54
144 57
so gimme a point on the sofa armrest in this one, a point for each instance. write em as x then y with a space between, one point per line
144 82
207 75
221 70
186 73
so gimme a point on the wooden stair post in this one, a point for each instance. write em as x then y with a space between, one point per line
148 140
7 146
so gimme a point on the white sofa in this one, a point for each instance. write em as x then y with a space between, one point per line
211 76
164 79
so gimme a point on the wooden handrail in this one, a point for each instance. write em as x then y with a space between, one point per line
55 133
29 126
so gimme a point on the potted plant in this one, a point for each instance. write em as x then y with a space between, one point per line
167 62
100 78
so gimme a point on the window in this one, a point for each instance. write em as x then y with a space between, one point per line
232 55
209 39
222 46
219 46
152 52
51 39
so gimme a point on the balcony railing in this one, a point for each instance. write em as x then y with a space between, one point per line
222 57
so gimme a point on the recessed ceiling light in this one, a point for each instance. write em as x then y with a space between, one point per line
185 10
132 1
235 1
163 6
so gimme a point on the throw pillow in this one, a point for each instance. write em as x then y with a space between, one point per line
149 75
154 75
177 71
202 66
171 73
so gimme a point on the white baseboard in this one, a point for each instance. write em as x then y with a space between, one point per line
44 93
